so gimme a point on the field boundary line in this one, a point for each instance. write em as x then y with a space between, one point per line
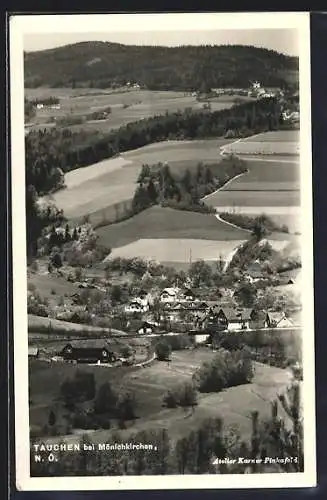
231 224
226 184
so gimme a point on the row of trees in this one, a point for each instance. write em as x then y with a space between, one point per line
277 348
261 225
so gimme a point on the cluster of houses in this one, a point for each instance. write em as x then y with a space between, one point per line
181 306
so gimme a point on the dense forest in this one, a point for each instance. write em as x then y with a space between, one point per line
49 152
104 64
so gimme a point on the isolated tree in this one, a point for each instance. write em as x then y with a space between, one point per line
116 293
246 295
127 406
56 260
52 418
260 228
106 400
67 233
152 192
200 273
186 180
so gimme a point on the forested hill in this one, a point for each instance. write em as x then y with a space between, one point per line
103 64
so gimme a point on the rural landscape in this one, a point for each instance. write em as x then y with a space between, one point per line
163 226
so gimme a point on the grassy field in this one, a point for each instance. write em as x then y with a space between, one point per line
94 190
271 186
177 250
281 142
276 136
39 324
262 199
45 285
158 222
234 405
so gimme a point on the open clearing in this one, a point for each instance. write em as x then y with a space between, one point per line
234 405
96 188
157 222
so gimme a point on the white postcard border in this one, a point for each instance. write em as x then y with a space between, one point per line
23 24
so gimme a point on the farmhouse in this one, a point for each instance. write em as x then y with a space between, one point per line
235 319
169 295
230 319
254 272
277 320
188 295
136 306
87 354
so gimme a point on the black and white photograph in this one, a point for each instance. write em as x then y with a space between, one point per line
162 251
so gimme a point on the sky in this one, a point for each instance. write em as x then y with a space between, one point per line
285 41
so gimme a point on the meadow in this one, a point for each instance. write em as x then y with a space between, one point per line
272 183
126 106
158 222
234 405
280 142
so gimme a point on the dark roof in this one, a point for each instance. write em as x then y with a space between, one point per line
276 316
233 314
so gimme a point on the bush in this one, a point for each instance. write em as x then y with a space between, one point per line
126 406
177 342
106 400
183 395
227 369
80 388
163 350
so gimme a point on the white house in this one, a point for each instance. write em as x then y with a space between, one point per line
169 295
136 307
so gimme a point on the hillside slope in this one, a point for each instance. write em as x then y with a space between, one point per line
102 64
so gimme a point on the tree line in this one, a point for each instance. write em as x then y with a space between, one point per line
158 68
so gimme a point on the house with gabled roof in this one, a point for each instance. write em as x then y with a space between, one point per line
278 320
169 295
